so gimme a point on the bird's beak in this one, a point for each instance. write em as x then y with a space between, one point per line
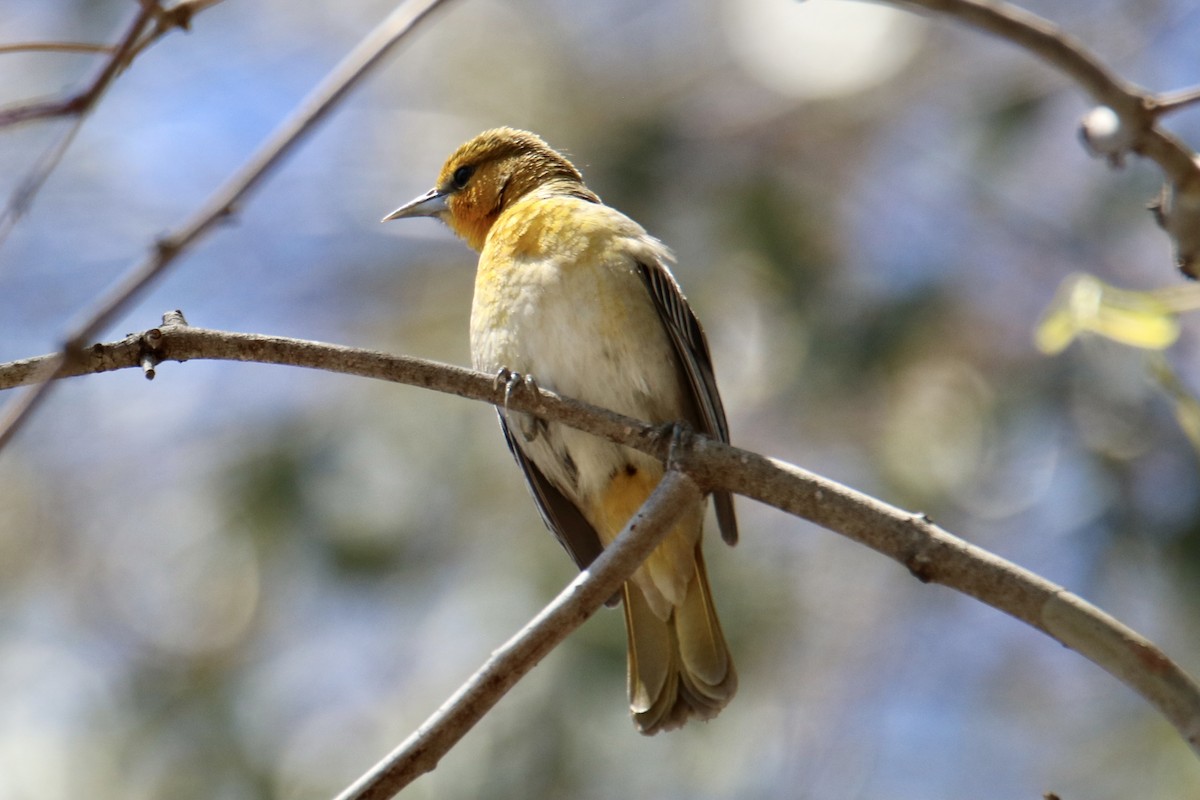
430 204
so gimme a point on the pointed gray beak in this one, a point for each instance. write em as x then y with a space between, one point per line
430 204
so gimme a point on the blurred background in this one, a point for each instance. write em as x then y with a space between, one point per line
243 581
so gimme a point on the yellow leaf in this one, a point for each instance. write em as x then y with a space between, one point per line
1084 303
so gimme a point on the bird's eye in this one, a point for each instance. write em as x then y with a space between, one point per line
462 175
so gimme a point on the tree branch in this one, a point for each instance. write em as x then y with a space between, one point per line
56 47
930 553
1176 101
139 35
82 101
421 751
221 204
1135 111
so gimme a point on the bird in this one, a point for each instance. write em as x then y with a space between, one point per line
577 297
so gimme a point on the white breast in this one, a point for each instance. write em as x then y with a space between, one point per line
587 328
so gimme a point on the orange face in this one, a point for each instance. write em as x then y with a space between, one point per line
485 176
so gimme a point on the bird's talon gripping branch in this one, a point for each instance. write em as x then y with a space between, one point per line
680 442
513 385
518 383
530 385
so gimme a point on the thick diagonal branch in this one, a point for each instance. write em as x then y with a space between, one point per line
418 754
926 550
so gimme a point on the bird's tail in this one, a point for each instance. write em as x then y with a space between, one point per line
679 667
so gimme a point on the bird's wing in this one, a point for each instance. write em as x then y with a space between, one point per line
691 347
561 516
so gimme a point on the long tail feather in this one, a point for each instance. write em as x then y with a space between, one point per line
681 667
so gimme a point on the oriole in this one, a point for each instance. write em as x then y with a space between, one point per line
579 296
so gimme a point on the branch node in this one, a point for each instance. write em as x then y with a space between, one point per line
1177 211
166 247
1167 103
173 318
149 362
179 16
920 566
151 353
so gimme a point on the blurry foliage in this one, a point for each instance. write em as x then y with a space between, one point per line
882 338
1087 306
272 496
1187 407
784 230
1009 126
638 163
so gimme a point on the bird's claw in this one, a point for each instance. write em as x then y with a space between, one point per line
679 439
516 383
503 376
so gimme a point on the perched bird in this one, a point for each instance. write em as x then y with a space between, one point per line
579 296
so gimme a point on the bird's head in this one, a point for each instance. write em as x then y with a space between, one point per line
487 175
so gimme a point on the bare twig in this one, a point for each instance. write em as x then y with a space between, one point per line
77 105
421 751
179 16
353 68
1136 110
56 47
929 552
139 35
81 102
1168 102
22 197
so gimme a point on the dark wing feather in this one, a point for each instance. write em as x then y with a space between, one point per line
691 347
561 516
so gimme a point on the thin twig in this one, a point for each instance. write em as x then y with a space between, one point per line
1042 38
138 35
929 552
179 16
81 102
352 69
77 105
22 197
1167 102
421 751
1135 108
56 47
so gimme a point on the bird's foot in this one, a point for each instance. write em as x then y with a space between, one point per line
679 440
517 383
